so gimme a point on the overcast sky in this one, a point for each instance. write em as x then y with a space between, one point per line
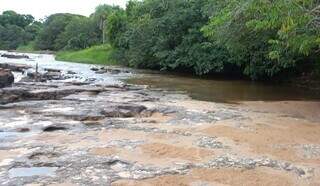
41 8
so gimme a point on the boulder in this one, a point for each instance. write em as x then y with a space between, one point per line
53 76
104 70
71 72
53 128
6 78
52 70
15 67
14 56
94 69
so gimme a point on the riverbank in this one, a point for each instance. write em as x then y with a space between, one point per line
100 132
94 55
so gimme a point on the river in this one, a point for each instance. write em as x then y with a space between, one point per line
217 90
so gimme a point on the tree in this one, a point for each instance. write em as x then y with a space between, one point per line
11 37
15 30
12 18
264 37
165 35
79 33
52 28
100 16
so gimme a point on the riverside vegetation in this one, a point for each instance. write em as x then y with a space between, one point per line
257 39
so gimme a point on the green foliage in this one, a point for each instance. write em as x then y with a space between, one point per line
79 33
53 27
94 55
16 29
12 18
261 38
74 32
165 35
30 47
264 37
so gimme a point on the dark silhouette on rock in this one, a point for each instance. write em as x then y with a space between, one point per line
6 78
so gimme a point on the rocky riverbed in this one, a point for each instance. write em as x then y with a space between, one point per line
79 131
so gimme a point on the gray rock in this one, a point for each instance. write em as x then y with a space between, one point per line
71 72
50 75
52 70
123 110
15 67
14 56
209 142
6 78
94 69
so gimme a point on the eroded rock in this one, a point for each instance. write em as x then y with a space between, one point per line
15 67
54 128
123 110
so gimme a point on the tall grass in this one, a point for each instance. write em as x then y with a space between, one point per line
95 55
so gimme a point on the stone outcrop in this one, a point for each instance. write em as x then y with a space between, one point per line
109 70
123 110
15 67
13 56
6 78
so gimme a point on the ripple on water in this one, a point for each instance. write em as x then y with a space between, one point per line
32 171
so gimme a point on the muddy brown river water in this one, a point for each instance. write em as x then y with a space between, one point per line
222 90
89 127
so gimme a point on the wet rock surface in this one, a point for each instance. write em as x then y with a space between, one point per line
109 70
84 133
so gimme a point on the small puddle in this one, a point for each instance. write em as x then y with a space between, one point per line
32 171
9 136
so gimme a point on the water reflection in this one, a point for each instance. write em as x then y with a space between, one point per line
32 171
223 90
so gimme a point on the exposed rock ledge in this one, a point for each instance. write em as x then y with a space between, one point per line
82 134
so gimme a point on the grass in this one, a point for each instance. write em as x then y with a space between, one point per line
26 48
94 55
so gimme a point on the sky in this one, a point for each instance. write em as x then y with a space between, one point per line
42 8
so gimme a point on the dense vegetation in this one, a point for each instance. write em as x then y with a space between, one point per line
260 39
16 29
73 32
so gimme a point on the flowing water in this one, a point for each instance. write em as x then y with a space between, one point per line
83 70
197 88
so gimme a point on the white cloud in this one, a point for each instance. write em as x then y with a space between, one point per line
42 8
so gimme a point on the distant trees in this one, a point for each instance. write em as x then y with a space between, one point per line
72 32
16 29
57 32
53 26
